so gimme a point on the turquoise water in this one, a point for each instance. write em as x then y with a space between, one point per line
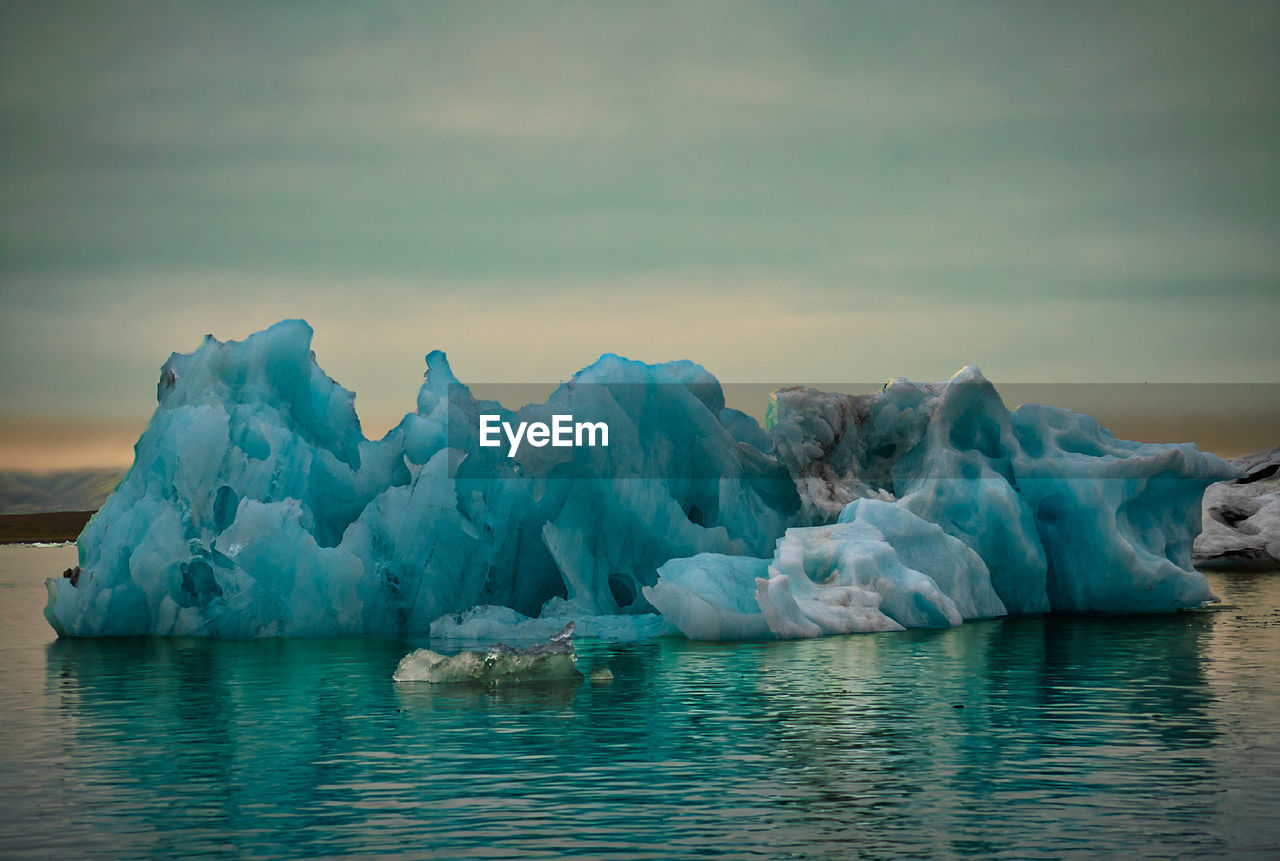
1146 736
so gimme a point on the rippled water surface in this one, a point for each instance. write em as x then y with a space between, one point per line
1147 736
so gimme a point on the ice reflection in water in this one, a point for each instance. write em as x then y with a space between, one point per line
1139 736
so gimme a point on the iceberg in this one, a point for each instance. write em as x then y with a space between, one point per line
1242 516
1065 516
879 568
256 507
551 661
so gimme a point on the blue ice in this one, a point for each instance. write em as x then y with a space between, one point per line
256 507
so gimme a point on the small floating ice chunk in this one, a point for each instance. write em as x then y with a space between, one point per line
486 624
550 661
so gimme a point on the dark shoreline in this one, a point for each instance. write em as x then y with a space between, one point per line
48 527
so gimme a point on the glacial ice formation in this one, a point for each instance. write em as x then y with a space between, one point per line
1242 516
879 568
256 507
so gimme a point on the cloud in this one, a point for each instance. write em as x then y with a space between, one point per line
793 192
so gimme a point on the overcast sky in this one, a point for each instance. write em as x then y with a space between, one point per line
784 192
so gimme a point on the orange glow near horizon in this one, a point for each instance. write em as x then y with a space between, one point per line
50 444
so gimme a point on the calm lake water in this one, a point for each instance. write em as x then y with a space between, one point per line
1147 736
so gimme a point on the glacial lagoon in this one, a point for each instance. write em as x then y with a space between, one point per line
1042 736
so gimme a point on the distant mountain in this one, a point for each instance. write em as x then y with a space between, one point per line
71 490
